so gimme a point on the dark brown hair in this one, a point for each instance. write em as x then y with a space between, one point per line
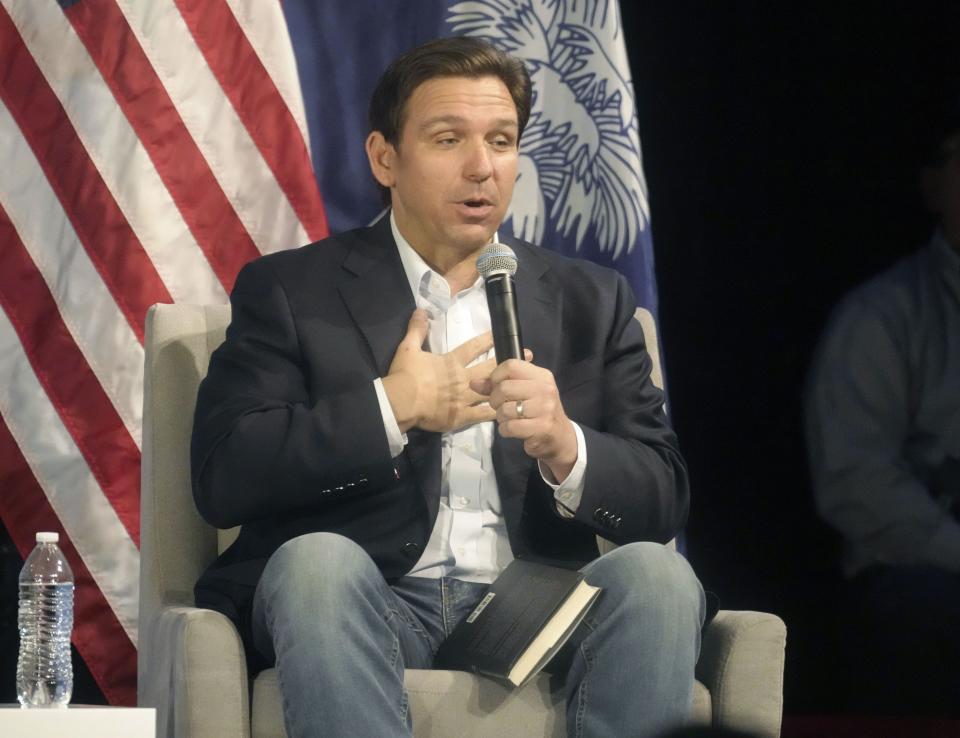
444 57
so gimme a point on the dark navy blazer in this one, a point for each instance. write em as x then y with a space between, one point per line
289 439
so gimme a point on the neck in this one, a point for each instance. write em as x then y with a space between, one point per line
457 265
459 272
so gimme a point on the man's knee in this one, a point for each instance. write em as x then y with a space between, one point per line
320 569
649 575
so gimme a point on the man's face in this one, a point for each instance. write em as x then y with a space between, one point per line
452 174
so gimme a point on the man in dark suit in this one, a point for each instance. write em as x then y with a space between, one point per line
384 469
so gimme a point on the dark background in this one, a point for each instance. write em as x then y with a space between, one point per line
779 145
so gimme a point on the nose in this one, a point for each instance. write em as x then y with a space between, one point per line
479 162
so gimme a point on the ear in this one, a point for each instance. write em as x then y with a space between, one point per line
381 156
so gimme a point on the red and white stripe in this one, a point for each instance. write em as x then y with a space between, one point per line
150 150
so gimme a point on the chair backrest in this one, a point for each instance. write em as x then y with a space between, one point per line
649 326
176 544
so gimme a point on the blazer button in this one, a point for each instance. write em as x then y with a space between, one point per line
598 514
411 550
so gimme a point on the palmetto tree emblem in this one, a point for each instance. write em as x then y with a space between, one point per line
580 172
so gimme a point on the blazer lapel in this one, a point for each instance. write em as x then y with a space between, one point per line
380 303
540 303
378 298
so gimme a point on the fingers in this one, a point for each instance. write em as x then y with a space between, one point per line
514 389
485 384
471 349
542 434
532 408
510 390
480 413
481 370
475 398
517 369
520 427
478 377
417 330
482 386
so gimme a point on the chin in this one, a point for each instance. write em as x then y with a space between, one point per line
473 237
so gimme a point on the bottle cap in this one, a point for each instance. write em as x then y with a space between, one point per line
48 537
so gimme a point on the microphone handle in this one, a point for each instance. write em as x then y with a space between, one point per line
504 320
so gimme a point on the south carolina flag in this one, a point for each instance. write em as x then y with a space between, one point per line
150 148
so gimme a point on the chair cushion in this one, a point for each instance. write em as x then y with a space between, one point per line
455 704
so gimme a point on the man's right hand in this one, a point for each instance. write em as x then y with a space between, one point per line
432 391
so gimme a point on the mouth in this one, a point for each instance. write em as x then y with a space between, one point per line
476 202
475 207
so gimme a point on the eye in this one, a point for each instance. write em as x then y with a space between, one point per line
502 143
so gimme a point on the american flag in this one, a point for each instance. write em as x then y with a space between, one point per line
150 148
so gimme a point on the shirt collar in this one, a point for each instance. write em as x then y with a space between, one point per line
413 264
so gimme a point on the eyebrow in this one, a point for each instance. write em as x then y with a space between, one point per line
456 119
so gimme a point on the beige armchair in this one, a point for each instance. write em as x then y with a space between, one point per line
191 661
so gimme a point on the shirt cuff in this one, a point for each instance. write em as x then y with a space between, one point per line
567 494
395 439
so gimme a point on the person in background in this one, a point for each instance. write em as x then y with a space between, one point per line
883 437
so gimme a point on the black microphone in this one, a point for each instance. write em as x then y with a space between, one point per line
497 264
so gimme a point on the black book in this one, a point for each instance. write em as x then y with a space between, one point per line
527 614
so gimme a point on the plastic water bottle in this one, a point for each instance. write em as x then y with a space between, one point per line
44 669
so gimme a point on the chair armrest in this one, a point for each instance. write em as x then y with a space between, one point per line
741 663
193 670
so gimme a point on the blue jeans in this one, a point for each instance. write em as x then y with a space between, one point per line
341 638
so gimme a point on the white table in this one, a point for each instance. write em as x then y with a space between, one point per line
78 721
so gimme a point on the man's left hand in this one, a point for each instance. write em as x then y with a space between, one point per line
517 387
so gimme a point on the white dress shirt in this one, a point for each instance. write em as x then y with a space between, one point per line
469 539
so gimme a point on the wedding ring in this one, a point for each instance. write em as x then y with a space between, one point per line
519 408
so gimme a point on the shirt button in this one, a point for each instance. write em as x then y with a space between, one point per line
463 500
411 549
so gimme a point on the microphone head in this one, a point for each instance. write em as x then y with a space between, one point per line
496 258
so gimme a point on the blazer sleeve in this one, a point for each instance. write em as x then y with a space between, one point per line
636 485
263 444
